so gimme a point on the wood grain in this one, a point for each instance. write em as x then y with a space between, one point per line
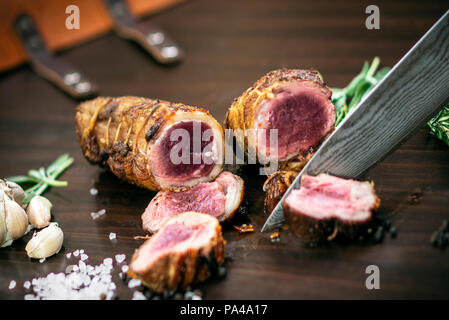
230 44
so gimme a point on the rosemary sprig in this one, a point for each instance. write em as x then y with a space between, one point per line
347 98
439 125
43 178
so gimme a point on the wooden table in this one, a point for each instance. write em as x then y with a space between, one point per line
229 45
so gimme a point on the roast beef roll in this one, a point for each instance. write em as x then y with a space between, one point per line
220 199
295 102
326 206
186 250
152 143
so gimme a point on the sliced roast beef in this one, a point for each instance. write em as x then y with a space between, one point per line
186 250
296 103
220 199
325 206
153 143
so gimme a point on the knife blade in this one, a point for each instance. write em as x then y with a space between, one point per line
415 89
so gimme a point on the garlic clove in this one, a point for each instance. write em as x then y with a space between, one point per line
7 190
38 211
16 219
18 193
3 230
45 243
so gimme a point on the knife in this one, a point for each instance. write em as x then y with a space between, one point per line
410 94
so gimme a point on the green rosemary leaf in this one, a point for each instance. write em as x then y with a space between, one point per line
43 178
345 99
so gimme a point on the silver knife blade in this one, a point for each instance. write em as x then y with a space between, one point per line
411 93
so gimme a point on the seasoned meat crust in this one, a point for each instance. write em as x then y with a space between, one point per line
118 133
275 187
188 249
245 110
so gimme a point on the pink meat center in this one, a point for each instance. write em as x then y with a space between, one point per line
302 114
206 198
174 236
331 197
182 155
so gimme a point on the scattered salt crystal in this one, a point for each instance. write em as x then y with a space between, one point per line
81 251
41 260
96 215
83 282
76 253
196 297
68 255
12 285
125 269
84 257
69 269
134 283
93 191
120 258
112 236
27 285
138 296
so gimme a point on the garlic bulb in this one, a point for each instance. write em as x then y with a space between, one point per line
13 219
18 193
39 212
45 243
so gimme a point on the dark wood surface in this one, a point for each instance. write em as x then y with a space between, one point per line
229 45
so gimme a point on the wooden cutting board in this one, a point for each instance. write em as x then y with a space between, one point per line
229 45
50 16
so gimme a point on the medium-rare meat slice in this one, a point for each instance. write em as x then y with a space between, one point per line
186 250
220 199
295 102
325 206
153 143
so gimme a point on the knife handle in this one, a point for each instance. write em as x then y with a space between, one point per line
60 73
149 35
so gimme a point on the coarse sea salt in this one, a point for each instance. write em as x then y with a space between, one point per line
93 191
138 296
96 215
134 283
79 282
112 236
12 285
27 285
120 258
84 257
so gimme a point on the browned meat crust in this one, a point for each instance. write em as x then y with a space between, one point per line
116 133
178 270
275 187
241 114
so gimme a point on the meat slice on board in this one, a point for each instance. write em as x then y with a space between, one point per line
188 249
220 199
326 206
